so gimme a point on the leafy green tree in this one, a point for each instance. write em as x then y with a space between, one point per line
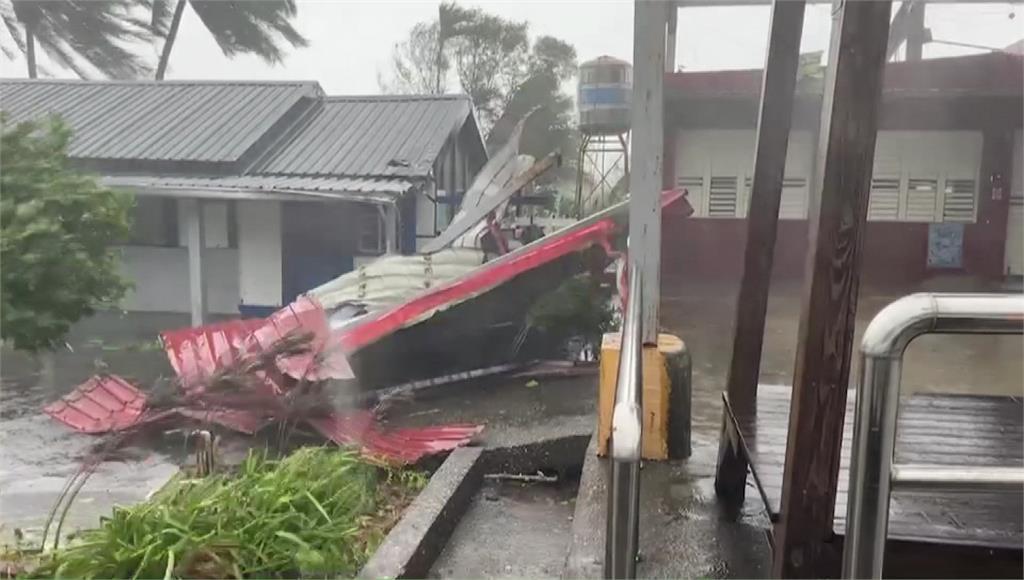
78 35
260 27
505 75
57 227
420 64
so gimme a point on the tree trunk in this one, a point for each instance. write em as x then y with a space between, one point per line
172 34
30 51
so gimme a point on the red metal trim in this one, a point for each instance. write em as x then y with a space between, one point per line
486 277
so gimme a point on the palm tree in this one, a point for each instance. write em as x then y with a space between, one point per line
261 28
77 35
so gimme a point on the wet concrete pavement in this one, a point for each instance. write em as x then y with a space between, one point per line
37 455
511 530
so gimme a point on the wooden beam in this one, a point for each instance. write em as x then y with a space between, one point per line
821 376
773 128
649 23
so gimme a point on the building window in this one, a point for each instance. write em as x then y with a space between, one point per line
922 193
722 197
154 222
371 233
958 202
793 205
884 202
920 201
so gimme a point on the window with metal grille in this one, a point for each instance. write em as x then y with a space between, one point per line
694 187
921 197
958 202
884 203
722 197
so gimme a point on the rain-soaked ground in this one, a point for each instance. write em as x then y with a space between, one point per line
511 530
36 454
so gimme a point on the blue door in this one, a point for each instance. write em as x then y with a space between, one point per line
303 271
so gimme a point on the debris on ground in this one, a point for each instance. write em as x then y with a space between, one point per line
466 308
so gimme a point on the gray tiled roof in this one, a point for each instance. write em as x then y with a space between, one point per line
157 121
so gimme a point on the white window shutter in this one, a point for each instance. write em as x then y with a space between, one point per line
722 197
958 203
793 205
884 202
922 195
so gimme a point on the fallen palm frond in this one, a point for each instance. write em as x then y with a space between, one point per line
319 512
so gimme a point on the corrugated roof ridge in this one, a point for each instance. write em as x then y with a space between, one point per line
396 98
309 83
256 173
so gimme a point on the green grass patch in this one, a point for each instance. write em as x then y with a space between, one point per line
320 512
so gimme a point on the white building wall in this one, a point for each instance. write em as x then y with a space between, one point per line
929 176
160 278
259 252
716 166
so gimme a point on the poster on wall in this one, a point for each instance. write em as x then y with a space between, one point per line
945 245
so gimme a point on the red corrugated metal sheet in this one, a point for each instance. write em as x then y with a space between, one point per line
99 405
404 445
325 359
196 352
110 403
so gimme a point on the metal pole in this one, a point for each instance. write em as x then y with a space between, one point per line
623 521
648 136
874 428
960 478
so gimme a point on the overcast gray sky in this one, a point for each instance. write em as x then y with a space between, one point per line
351 40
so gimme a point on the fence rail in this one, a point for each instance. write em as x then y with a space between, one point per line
622 538
872 473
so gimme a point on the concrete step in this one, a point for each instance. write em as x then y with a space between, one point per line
684 531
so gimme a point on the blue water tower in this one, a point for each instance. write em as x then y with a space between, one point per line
604 99
605 96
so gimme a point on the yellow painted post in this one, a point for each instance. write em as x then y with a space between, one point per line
656 390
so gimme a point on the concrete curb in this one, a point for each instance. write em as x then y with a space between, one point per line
586 548
411 547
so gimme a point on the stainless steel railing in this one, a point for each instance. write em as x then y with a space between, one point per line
622 537
872 473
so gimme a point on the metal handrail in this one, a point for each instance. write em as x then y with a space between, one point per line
872 473
622 538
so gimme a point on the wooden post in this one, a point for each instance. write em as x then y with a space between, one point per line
645 181
773 128
821 377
